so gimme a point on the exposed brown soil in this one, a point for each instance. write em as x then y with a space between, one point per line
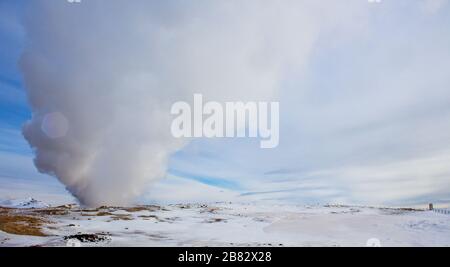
148 216
19 224
124 217
210 210
54 211
104 213
142 208
216 220
135 209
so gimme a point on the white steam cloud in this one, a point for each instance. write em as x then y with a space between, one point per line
101 77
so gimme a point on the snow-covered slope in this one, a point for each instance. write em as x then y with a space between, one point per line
24 203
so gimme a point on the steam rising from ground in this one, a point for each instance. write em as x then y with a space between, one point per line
101 77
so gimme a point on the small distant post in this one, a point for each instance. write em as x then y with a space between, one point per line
430 206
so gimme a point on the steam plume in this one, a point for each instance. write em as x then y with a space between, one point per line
101 77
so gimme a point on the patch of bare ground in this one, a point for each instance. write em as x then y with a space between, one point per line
209 210
135 209
147 217
92 210
142 208
154 236
350 211
410 209
398 211
21 224
4 210
104 213
86 214
386 210
99 237
52 211
123 217
215 220
159 219
183 206
67 206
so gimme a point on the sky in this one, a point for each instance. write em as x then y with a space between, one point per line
364 108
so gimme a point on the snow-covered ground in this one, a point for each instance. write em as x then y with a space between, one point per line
232 224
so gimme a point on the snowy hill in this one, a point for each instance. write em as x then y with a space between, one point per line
26 203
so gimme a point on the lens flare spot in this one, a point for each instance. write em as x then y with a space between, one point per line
55 125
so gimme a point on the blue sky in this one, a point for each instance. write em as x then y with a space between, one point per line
14 111
18 175
364 121
14 108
